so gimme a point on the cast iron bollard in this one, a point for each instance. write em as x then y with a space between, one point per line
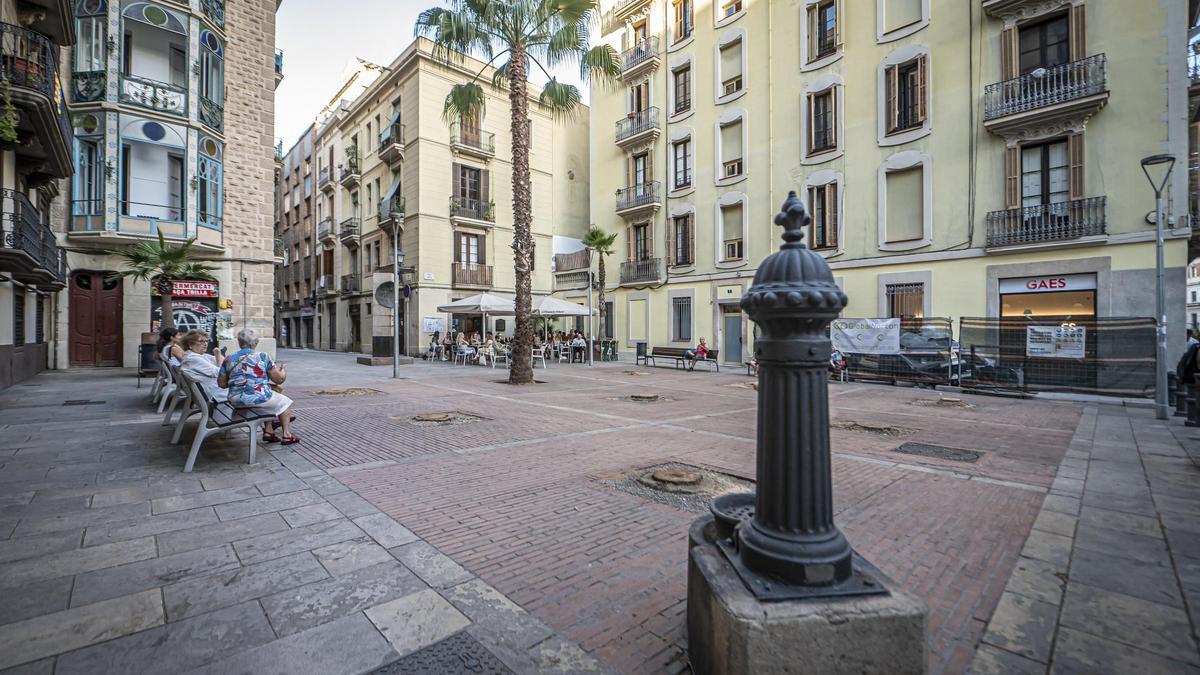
1193 406
792 537
1172 388
1181 396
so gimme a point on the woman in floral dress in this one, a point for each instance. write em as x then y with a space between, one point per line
248 375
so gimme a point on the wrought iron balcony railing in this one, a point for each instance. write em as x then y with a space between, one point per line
639 53
472 138
350 172
160 96
325 228
21 229
1046 87
569 262
393 134
472 274
1047 222
391 209
323 177
475 209
640 270
351 283
28 60
349 228
637 122
639 195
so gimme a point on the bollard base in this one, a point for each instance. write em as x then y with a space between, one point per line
731 632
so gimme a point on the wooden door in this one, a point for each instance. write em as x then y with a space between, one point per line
95 320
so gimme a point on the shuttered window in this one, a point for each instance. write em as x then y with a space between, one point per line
731 149
731 68
682 241
822 121
18 317
900 13
907 95
681 163
823 232
731 232
683 89
39 330
824 30
683 19
905 205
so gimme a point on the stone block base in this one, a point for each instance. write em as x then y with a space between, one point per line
730 632
383 360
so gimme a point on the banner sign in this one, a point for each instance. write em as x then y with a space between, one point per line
1056 342
866 336
191 289
1052 283
433 324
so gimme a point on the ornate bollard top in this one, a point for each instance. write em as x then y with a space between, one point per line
794 281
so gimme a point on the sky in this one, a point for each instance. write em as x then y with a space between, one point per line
318 43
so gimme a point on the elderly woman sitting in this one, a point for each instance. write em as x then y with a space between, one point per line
201 366
249 376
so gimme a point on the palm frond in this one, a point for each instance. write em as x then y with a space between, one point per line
500 76
455 33
566 45
601 64
560 98
464 100
599 241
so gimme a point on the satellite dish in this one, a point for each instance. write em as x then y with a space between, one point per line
383 295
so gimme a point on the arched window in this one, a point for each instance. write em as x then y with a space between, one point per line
153 15
208 172
90 53
212 80
88 185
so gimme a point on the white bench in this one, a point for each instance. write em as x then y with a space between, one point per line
217 417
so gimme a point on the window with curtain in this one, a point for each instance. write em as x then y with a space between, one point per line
1044 44
731 232
905 301
731 149
1045 174
731 68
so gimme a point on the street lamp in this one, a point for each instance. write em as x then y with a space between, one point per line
1161 165
589 336
396 301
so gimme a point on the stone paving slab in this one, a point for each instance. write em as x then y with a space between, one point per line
307 606
217 533
416 620
149 525
204 594
153 573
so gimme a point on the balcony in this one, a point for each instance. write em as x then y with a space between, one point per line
472 141
350 172
325 233
278 67
215 11
52 18
473 210
391 144
29 63
637 127
88 85
640 271
624 8
570 262
640 58
1194 64
637 199
349 231
1047 97
28 248
325 182
154 95
391 213
326 285
471 275
1047 223
212 114
351 283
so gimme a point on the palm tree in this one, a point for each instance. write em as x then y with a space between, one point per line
518 35
601 242
161 264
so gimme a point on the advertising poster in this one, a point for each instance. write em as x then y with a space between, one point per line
1056 342
866 336
194 306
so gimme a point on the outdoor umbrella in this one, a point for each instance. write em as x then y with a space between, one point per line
484 303
547 306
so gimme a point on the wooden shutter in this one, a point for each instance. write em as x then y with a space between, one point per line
1012 177
839 21
831 214
458 247
812 32
691 243
456 169
892 85
649 167
672 233
678 19
1075 156
1008 53
649 239
484 185
811 118
629 242
922 88
482 248
1078 30
629 173
833 116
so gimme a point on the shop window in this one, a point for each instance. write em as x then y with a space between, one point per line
906 301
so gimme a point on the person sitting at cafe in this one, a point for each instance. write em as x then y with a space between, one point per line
578 346
700 353
169 348
251 377
435 346
200 366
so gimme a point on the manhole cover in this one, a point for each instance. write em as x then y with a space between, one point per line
682 486
84 402
642 398
675 477
939 452
870 428
438 419
942 402
348 391
459 653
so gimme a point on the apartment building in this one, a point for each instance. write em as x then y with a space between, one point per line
172 110
35 160
976 158
295 286
393 162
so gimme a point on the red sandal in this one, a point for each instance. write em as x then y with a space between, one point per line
270 437
290 440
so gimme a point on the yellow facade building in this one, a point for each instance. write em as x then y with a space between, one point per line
976 158
389 159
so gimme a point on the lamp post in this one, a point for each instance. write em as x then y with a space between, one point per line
396 299
589 335
1156 163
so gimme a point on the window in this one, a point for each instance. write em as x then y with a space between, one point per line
641 31
639 99
682 151
90 49
641 241
823 231
640 174
610 318
367 143
730 7
731 233
906 95
209 182
731 68
1193 298
906 301
681 240
470 181
307 247
39 329
905 205
18 317
177 57
731 150
683 89
1045 174
212 68
378 247
683 19
89 176
681 319
901 13
822 121
823 30
469 250
1045 44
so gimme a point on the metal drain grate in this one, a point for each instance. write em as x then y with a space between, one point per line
459 653
84 402
939 452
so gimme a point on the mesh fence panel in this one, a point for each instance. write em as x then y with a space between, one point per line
924 355
1108 356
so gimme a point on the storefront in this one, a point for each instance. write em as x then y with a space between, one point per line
1065 295
194 306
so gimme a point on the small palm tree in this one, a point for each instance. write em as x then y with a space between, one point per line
161 264
518 35
602 243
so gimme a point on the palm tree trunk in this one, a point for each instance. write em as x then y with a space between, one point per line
600 280
168 311
521 370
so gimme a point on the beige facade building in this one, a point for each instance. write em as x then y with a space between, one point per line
171 112
296 233
388 159
957 157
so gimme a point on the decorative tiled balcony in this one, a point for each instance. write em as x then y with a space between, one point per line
641 271
154 95
1047 223
1047 97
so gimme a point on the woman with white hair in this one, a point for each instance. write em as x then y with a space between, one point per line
249 376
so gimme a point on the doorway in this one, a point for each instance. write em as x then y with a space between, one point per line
731 334
95 321
331 312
